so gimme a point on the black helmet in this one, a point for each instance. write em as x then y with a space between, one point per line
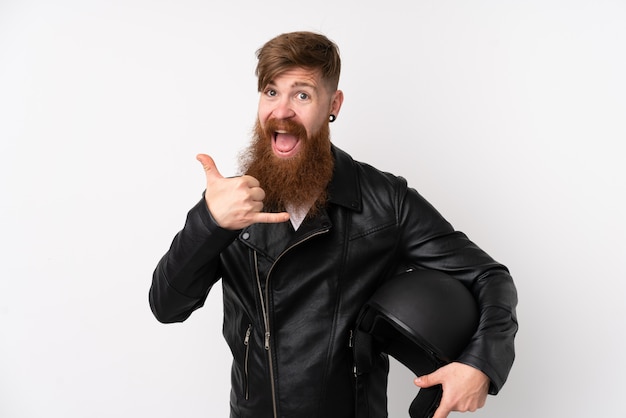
422 318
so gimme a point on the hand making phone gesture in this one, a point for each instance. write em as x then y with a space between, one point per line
235 202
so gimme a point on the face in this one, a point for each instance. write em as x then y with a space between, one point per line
298 96
290 153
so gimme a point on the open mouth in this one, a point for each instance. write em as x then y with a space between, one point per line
285 144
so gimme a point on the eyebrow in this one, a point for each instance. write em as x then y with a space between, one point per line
296 84
304 84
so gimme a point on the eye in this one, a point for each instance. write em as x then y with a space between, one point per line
270 92
303 96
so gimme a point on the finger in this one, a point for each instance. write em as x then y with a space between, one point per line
427 380
209 167
270 218
257 194
441 413
250 181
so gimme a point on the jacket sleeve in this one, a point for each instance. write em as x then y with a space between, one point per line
432 243
186 273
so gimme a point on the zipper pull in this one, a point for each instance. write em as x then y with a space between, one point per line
267 340
246 339
351 340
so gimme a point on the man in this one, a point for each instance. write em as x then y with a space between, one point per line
303 239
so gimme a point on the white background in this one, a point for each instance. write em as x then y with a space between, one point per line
508 116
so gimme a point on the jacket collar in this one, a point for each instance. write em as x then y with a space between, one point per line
344 188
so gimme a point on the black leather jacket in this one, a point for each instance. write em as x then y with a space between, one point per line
291 298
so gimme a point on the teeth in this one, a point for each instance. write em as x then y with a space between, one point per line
281 132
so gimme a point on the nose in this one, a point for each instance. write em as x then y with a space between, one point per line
283 109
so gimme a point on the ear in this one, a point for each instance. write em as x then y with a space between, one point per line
336 102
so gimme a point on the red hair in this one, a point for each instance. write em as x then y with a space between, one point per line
298 49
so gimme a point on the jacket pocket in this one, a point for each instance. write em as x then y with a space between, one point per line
246 357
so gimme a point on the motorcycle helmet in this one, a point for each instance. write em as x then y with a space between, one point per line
422 318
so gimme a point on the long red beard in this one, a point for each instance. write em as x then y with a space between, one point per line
299 181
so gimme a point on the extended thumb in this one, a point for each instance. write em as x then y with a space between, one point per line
426 381
209 166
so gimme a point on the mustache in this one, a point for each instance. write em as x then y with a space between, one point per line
274 125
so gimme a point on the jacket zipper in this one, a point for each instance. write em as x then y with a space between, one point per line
351 347
246 342
264 308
